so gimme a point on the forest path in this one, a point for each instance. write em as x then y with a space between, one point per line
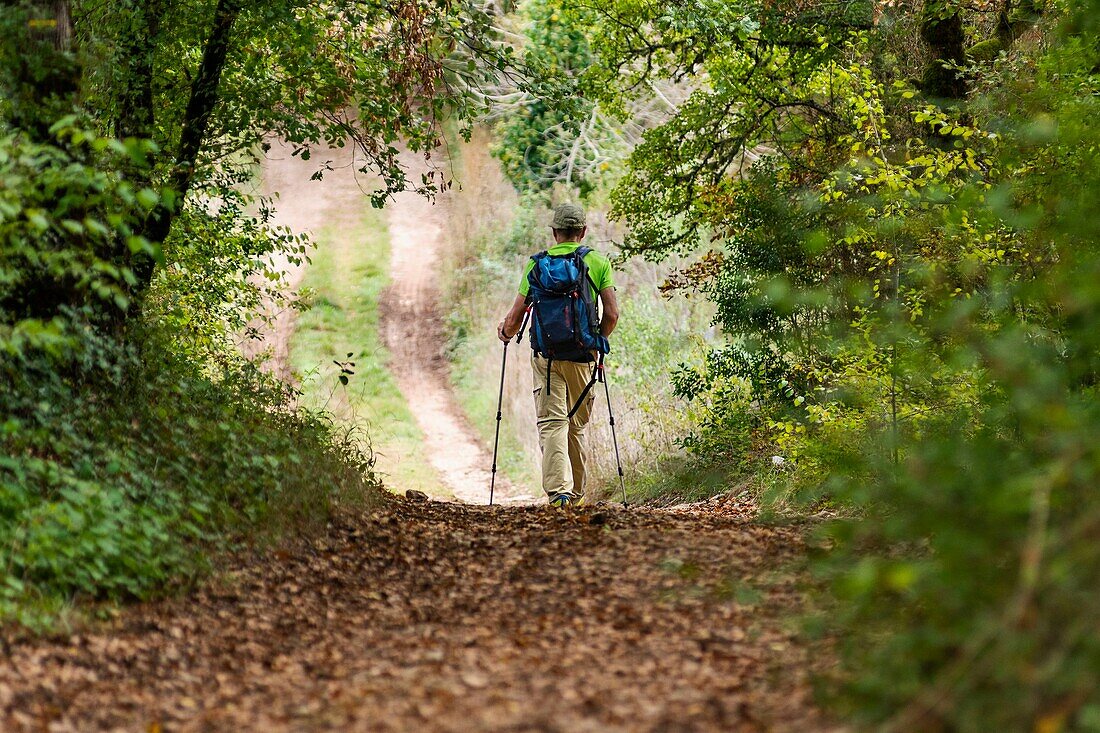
411 319
450 617
436 616
413 332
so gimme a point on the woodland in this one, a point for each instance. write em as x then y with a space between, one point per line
858 367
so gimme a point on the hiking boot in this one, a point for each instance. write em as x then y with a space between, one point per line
561 501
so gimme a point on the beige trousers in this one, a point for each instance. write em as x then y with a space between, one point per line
562 439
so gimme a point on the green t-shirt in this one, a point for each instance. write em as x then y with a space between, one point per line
599 268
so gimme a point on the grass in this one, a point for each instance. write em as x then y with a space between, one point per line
679 478
345 281
476 381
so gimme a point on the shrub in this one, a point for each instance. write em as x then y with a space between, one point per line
123 466
133 438
964 593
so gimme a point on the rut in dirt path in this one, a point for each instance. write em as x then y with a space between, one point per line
442 617
305 206
412 328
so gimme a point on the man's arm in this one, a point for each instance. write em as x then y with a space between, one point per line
512 322
610 316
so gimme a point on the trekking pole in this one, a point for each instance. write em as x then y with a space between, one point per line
614 439
496 440
500 404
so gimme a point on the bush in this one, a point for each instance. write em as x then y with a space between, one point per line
133 438
908 273
964 593
123 466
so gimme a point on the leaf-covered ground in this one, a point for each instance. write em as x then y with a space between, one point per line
431 616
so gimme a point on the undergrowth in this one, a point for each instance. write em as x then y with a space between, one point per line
124 470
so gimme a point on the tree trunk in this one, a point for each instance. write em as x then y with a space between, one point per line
196 121
43 76
48 21
941 29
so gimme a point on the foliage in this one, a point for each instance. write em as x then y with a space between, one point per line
224 265
550 132
132 257
122 465
907 276
557 135
178 99
819 176
63 206
306 73
998 488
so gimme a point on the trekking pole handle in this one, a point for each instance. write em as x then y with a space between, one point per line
523 326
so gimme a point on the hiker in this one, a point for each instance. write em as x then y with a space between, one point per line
564 287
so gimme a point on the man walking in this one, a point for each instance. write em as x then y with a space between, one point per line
561 287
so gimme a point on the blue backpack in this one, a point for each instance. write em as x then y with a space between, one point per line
565 320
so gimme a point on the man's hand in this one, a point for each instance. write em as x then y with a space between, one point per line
513 321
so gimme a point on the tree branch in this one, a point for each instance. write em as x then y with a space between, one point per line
196 120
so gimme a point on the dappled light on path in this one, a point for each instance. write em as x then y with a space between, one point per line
434 616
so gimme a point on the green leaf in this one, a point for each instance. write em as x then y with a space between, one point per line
148 198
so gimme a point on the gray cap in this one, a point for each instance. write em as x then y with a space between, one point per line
568 216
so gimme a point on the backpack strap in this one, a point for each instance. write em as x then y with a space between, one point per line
584 392
591 282
596 290
533 275
583 252
523 327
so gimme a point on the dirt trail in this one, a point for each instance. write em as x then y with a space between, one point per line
412 328
304 206
442 617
